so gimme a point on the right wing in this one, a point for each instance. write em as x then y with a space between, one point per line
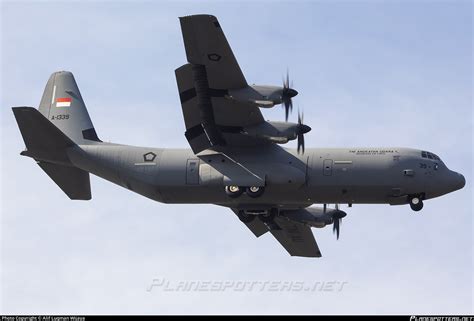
296 238
257 227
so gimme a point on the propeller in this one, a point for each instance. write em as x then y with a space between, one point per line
301 129
286 94
337 220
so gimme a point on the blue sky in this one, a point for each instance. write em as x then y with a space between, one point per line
375 73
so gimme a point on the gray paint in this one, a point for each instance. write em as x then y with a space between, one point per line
247 157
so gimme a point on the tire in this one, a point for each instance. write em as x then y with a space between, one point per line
233 191
255 191
416 203
245 218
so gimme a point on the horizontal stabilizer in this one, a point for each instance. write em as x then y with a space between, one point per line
43 140
73 181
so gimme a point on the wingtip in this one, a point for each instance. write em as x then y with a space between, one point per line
196 16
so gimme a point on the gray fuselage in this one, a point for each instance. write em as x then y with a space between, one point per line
321 175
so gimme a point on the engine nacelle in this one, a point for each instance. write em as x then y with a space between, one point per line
314 216
275 131
262 96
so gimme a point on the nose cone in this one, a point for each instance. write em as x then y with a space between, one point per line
461 181
457 181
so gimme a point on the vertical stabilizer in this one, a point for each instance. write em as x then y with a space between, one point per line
62 104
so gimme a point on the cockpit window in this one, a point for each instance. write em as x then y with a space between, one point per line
429 155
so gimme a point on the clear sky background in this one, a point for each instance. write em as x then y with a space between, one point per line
375 73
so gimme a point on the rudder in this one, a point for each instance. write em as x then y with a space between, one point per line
62 104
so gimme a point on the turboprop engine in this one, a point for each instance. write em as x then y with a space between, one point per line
280 132
266 96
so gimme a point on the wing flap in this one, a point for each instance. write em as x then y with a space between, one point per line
230 115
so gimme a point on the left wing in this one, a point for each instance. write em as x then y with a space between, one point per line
210 115
226 116
296 238
206 44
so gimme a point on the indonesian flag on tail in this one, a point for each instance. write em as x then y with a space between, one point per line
63 102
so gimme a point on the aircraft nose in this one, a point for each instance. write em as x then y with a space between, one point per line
458 181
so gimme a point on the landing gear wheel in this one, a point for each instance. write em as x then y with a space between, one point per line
268 217
255 191
233 191
416 203
246 218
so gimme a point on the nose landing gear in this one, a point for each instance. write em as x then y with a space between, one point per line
416 203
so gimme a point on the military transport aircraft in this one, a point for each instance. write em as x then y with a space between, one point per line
235 160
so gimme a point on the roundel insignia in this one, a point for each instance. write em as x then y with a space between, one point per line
214 57
149 157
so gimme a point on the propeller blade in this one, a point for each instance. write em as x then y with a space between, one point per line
336 226
286 94
301 130
300 143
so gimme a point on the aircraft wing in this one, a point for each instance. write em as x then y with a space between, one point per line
221 123
257 227
206 44
295 237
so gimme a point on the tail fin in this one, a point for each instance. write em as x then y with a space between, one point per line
62 105
62 122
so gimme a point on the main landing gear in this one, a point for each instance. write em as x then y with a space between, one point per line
234 191
416 203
